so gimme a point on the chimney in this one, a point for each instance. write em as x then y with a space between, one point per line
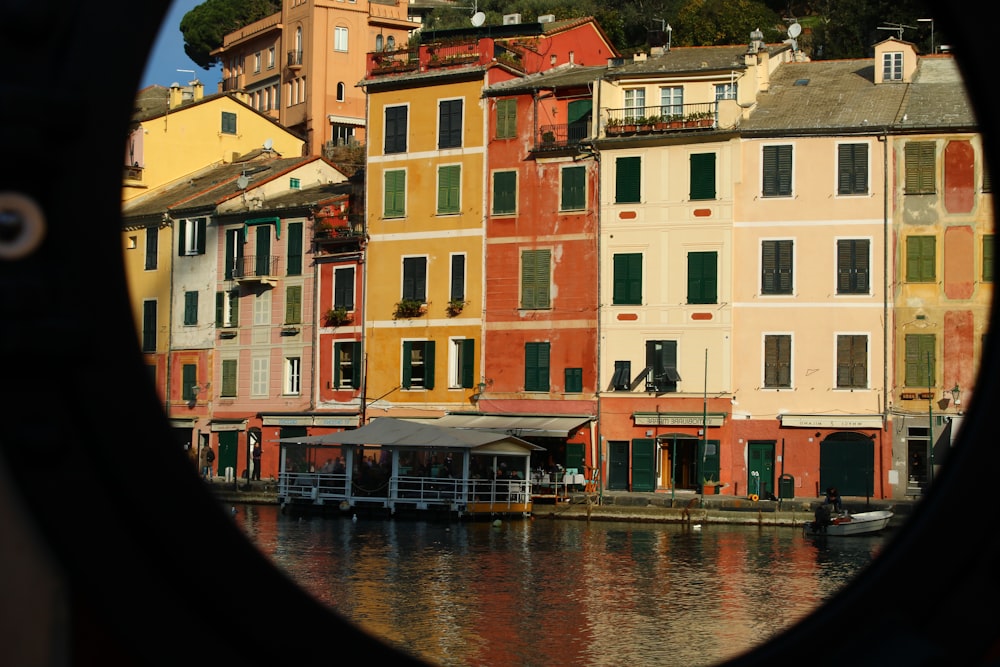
176 95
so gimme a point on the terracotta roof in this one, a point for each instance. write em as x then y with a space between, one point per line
563 76
690 59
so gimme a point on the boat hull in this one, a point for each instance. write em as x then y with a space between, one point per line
862 523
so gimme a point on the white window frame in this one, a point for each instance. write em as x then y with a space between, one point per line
635 103
191 236
293 376
671 100
892 66
455 344
270 58
726 91
340 35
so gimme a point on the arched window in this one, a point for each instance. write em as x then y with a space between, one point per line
390 43
378 42
341 89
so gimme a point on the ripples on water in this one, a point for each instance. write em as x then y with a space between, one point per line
552 593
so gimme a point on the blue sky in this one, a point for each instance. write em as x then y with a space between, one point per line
168 55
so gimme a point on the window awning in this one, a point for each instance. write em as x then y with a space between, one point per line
522 426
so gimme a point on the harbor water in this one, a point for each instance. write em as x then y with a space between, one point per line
551 593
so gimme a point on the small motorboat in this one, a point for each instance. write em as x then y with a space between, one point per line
846 524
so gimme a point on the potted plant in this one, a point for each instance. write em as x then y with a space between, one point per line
613 127
710 487
408 308
455 307
336 317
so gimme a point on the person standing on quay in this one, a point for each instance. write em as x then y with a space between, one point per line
256 455
205 458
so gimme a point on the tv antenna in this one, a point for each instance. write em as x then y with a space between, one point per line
794 31
478 18
898 27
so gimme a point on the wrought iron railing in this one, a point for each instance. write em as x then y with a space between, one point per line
661 118
255 266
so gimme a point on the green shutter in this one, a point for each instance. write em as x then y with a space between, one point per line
702 277
852 168
189 378
407 364
181 237
190 308
573 196
295 248
506 119
263 258
535 278
852 358
628 176
920 259
536 366
202 227
988 258
627 279
355 365
428 364
228 377
776 267
703 176
449 178
919 360
504 192
395 193
777 361
220 308
293 304
919 163
468 359
777 172
573 380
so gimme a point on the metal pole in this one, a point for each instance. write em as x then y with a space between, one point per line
673 469
704 422
930 422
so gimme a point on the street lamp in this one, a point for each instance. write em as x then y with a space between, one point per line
931 21
956 394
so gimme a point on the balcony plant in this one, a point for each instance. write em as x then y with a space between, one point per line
613 127
336 317
408 308
455 307
710 487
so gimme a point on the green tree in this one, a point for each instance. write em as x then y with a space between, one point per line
204 26
714 22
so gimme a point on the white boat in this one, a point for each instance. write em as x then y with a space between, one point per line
845 523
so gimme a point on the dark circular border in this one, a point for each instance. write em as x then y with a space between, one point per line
93 475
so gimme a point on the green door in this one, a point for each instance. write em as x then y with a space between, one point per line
575 456
643 465
708 462
760 476
618 465
847 461
226 456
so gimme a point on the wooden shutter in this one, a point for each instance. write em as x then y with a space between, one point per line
467 352
627 279
628 176
536 367
201 226
149 326
228 377
395 129
415 278
852 168
852 266
295 248
293 304
852 360
189 378
504 192
777 361
457 290
702 277
777 173
190 308
343 288
407 363
428 364
988 258
182 237
573 380
920 258
394 205
703 176
574 189
776 267
920 168
220 309
535 278
263 259
450 124
449 178
506 118
919 360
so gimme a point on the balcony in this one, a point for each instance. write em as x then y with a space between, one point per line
331 234
133 173
294 60
660 120
392 62
261 269
560 138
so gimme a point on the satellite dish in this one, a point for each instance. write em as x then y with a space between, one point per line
478 19
267 144
242 182
794 30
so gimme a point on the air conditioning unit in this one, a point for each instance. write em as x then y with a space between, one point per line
546 18
511 19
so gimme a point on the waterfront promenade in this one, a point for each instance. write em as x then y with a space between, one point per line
662 507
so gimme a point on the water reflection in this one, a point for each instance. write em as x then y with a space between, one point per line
544 592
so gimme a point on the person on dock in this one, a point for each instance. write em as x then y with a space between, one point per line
833 498
256 455
205 459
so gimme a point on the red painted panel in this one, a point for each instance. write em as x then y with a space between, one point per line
702 212
701 316
959 262
958 365
627 316
959 176
626 215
